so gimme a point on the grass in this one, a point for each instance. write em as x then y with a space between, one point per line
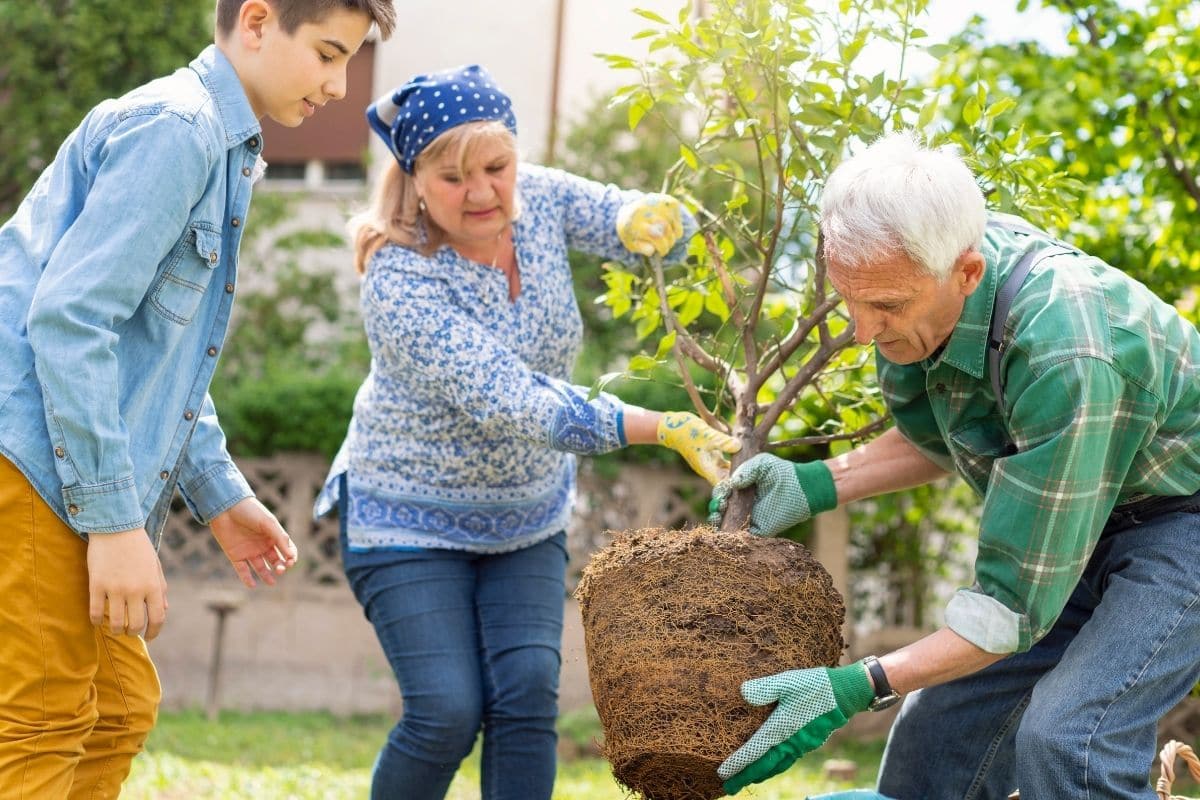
313 756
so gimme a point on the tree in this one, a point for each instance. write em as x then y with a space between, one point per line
1121 89
769 100
62 57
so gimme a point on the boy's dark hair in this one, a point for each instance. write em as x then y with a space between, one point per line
294 13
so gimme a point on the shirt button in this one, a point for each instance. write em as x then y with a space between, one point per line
246 171
229 288
164 474
212 351
188 415
212 257
941 388
58 451
72 509
253 142
235 222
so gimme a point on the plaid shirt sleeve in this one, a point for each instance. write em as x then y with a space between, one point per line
1077 427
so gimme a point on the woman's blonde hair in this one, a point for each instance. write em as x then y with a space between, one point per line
395 216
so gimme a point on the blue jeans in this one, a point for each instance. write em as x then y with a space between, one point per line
1076 715
474 641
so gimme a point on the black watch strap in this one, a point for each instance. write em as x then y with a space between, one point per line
885 695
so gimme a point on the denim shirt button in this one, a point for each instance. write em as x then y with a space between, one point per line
246 171
229 288
212 257
235 222
58 451
72 509
212 351
164 474
188 415
253 142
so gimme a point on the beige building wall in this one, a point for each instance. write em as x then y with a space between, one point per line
515 41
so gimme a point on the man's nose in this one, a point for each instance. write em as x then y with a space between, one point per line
866 326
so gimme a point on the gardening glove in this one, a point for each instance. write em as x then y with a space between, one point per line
650 225
702 447
812 704
785 493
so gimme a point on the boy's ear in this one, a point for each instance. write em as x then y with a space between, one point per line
251 19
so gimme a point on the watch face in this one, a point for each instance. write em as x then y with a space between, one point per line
887 701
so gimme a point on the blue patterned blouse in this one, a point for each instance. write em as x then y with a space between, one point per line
465 430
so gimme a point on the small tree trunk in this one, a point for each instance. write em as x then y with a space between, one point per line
737 513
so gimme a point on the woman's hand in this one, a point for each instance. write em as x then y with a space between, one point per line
650 225
703 448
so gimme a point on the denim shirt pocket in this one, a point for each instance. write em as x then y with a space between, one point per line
188 272
976 446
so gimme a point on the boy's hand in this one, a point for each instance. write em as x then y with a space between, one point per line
125 575
254 541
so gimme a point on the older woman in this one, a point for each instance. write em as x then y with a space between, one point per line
456 478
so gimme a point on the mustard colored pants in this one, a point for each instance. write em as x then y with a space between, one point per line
76 702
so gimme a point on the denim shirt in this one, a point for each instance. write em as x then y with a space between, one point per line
117 275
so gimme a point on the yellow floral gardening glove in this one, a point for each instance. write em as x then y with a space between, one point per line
650 225
703 448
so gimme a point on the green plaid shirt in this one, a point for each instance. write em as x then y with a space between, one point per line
1102 386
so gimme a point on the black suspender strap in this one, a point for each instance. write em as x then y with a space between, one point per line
1007 293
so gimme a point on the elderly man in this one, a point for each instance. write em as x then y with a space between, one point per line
1075 415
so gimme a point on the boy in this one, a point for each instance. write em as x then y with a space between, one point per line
117 275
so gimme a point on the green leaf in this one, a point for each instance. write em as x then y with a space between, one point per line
664 346
688 156
601 382
971 112
650 15
638 108
642 363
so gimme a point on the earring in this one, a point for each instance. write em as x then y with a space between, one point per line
421 205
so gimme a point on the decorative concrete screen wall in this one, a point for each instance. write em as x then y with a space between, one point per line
304 644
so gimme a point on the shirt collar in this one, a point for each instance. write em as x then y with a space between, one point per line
967 348
233 107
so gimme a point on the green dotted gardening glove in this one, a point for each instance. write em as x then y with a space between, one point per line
650 225
811 704
785 493
704 449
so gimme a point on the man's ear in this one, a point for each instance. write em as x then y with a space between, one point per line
968 271
251 19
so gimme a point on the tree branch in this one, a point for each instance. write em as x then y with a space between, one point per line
683 340
862 432
825 351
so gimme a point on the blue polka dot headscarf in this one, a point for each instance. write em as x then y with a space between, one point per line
415 113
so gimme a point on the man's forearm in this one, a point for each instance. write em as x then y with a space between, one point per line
939 657
886 464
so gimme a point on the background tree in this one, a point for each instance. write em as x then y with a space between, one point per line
768 100
72 55
1120 86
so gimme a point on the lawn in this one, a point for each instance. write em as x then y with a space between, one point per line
322 757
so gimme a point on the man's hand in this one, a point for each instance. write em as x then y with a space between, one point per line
125 579
786 494
703 448
254 542
650 225
812 704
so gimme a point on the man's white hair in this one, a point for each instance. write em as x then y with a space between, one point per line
900 198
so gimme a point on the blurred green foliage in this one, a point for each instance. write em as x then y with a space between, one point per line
62 58
1119 92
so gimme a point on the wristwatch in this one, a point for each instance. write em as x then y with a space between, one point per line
885 695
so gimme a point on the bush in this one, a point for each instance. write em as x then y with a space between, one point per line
290 408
